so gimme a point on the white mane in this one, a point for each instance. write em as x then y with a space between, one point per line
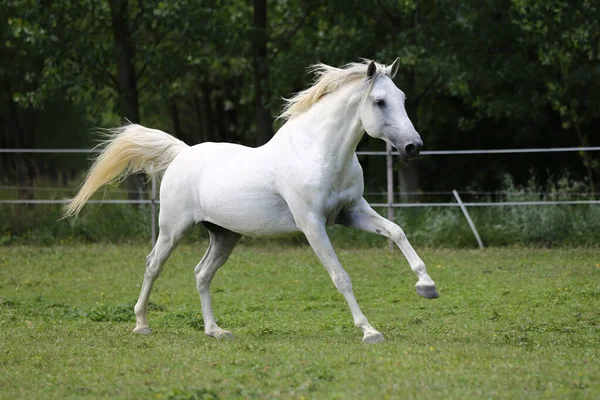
328 79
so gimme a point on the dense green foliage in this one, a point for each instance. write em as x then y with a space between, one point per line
521 324
477 74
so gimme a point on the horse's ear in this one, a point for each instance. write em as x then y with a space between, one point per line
371 69
393 69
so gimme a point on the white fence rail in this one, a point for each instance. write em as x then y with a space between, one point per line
390 205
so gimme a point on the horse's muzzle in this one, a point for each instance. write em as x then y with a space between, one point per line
411 150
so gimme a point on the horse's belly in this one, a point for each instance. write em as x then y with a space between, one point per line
251 213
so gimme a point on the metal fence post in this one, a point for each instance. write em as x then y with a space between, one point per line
153 208
468 217
390 189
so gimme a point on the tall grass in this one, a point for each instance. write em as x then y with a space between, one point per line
547 225
539 225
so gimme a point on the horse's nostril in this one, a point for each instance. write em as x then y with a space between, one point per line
410 149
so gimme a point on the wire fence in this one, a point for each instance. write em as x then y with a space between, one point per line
491 151
390 205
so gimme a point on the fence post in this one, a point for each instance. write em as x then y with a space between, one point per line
153 208
390 189
468 217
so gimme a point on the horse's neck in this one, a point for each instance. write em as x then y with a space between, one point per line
332 126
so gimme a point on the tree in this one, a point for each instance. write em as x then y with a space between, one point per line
564 37
21 78
477 74
264 130
125 60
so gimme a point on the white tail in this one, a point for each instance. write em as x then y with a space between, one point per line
128 149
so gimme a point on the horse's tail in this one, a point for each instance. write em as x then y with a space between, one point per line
126 150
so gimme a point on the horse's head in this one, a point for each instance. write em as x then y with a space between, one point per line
383 115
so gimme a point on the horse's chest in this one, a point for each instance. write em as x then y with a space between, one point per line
337 200
324 191
334 191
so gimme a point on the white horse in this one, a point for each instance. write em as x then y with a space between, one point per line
305 178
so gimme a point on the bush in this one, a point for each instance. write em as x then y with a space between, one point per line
543 225
547 225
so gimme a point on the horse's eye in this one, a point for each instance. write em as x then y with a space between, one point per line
380 102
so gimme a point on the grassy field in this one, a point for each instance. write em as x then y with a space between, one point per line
510 323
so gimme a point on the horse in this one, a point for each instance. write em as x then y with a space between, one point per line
304 179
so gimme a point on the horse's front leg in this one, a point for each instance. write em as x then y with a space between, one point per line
363 217
313 228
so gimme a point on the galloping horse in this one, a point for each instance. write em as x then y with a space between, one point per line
305 178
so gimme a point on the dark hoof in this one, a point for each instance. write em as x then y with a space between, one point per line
429 292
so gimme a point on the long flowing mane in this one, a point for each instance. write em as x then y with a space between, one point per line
328 79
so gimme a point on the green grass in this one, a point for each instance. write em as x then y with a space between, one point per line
510 323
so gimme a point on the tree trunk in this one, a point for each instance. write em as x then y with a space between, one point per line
174 111
13 133
125 57
4 132
264 129
126 79
585 156
204 113
218 125
23 126
27 165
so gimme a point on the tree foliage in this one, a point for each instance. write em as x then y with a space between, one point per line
477 73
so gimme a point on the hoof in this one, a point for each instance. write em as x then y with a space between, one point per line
373 338
429 292
143 331
220 334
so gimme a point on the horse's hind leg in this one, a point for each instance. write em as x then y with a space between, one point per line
168 238
222 242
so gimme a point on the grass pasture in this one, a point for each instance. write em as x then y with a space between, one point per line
510 323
